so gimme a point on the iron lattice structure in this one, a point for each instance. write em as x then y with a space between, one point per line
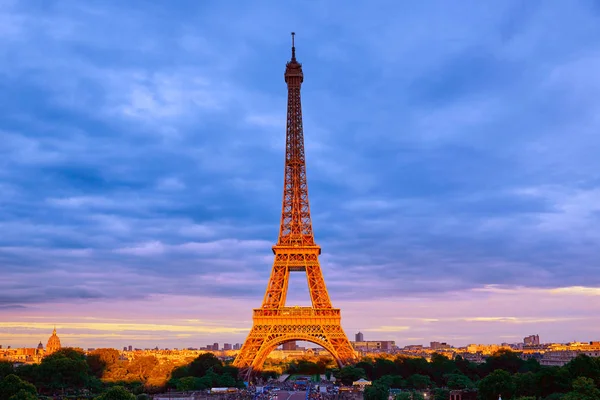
273 323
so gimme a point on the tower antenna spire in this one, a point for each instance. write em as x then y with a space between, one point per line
293 47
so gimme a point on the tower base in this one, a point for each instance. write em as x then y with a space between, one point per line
272 327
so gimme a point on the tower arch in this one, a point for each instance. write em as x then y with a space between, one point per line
271 345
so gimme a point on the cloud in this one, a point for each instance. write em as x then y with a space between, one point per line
443 158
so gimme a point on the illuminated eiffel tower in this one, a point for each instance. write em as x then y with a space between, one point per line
295 251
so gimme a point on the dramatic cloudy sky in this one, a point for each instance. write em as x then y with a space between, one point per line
453 164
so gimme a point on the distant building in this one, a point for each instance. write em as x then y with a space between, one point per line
215 346
53 344
439 346
226 346
289 346
532 340
359 337
374 345
129 348
237 346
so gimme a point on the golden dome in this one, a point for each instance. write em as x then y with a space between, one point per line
53 343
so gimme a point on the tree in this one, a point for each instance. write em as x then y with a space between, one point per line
12 385
23 395
116 393
467 368
392 381
6 368
159 375
525 384
418 381
551 380
585 366
583 389
189 383
503 359
440 366
65 368
203 363
349 374
383 367
376 392
458 382
409 396
530 365
367 365
441 394
141 368
407 366
499 382
101 360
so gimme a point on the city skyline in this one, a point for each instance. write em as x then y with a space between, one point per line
452 170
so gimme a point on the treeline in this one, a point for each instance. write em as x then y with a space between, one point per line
504 373
205 372
321 365
69 371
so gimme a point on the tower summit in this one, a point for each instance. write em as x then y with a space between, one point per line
295 251
296 225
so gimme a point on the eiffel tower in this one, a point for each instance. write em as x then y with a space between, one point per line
295 251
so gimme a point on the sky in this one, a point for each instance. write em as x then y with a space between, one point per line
452 158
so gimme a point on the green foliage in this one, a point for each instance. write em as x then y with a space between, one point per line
189 383
306 367
6 368
499 382
142 396
205 372
418 381
585 366
410 396
458 381
441 366
200 366
116 393
11 385
583 389
526 398
367 366
441 394
530 365
65 368
505 360
393 381
382 367
349 374
101 360
525 384
407 366
23 395
555 396
376 392
551 380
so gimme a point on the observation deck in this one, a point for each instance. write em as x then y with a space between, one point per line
297 315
